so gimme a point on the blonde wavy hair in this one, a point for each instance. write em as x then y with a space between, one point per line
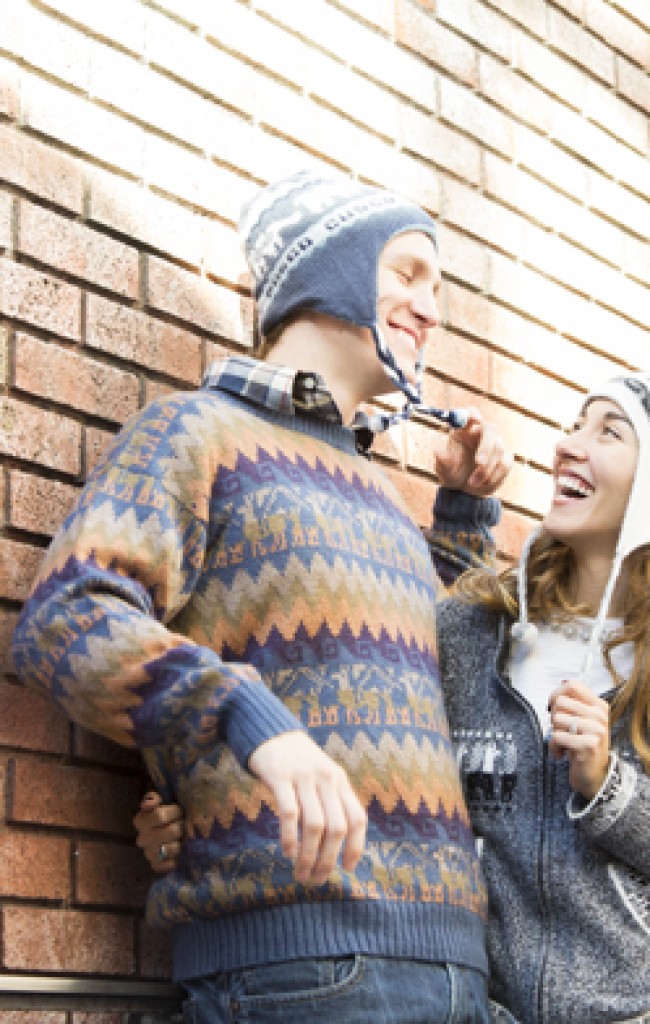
550 575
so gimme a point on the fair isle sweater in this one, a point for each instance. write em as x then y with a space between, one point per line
235 569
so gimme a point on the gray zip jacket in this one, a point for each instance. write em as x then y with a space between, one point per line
568 882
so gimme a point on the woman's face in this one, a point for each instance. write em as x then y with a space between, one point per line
593 471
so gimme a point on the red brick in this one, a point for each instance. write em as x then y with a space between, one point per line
633 83
579 45
619 32
105 21
423 442
5 220
155 953
32 1017
476 315
527 488
34 866
91 747
618 204
39 436
512 531
532 14
469 211
550 71
107 873
193 178
462 258
510 92
223 256
117 1018
199 302
417 30
18 566
617 116
157 389
31 721
530 390
459 359
51 794
134 211
485 28
102 1018
96 442
39 299
40 170
38 505
36 939
547 161
51 46
7 626
83 125
464 110
523 436
418 494
138 337
77 250
72 379
135 89
427 137
9 90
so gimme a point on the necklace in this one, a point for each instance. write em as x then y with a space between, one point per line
572 630
580 629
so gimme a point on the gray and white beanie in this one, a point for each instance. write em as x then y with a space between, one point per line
631 392
313 242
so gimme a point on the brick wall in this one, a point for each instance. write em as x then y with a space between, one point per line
130 134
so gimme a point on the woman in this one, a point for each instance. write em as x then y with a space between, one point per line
551 721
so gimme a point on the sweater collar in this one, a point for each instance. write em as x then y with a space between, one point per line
283 390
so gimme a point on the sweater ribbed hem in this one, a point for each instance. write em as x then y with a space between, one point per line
423 931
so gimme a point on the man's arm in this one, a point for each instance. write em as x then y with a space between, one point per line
97 633
472 467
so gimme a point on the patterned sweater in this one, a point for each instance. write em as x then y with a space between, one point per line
234 569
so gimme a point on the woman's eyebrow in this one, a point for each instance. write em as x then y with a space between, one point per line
617 416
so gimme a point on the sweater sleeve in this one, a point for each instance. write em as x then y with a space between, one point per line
97 632
618 817
461 534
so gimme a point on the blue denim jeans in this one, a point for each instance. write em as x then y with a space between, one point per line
349 990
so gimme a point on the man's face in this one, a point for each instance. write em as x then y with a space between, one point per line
408 283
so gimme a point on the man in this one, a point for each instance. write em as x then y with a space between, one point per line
241 594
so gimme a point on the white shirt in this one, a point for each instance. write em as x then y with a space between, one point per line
537 670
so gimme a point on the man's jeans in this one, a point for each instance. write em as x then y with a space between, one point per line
351 990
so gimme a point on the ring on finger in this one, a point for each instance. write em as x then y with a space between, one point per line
573 727
162 852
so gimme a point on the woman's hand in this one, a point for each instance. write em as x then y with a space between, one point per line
159 830
580 728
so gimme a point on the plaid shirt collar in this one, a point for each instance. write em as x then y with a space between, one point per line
284 390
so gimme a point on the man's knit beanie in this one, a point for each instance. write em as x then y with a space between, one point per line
313 242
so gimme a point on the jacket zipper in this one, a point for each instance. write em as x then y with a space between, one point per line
505 681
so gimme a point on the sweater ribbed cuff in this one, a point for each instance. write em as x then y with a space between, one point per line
461 509
255 716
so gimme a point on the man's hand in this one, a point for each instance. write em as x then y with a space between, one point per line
475 459
580 724
318 810
159 830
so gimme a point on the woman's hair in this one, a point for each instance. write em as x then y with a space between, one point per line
550 574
